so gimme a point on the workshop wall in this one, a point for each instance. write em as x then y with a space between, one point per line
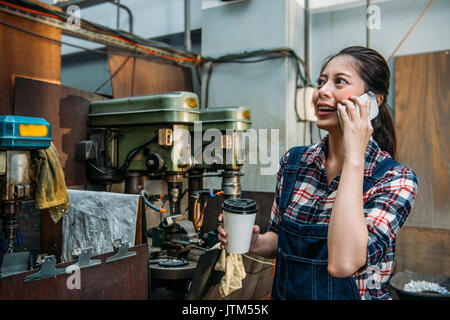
25 55
332 28
422 109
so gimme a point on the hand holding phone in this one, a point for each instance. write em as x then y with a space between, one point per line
368 96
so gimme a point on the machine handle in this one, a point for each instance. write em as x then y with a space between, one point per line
215 195
209 192
19 238
144 195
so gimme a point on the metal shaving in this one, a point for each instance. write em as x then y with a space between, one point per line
420 286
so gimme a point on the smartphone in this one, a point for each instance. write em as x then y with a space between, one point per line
364 98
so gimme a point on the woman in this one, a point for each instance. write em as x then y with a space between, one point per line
340 203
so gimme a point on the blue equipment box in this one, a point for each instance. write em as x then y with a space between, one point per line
24 133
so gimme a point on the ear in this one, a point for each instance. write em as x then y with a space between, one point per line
380 99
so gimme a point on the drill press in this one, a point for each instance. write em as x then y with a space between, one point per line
231 123
147 137
18 136
143 136
221 130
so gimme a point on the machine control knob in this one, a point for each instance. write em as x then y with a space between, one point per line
155 162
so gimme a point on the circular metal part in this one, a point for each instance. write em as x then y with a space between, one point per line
173 273
10 227
186 163
155 162
10 207
174 193
134 182
167 222
231 184
174 178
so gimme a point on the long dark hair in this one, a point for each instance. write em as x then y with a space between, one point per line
374 71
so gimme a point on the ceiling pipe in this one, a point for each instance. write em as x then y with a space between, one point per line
187 25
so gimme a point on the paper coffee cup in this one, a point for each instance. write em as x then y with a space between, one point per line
238 220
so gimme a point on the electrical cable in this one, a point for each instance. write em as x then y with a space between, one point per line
59 42
266 54
208 78
260 261
132 76
112 75
181 57
202 215
130 156
144 196
259 56
178 56
410 30
50 39
195 214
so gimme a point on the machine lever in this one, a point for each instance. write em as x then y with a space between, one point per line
144 196
48 270
122 251
84 261
19 238
209 192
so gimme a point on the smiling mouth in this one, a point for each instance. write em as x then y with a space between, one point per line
327 109
324 110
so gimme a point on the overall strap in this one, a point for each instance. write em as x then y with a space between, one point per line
290 175
378 173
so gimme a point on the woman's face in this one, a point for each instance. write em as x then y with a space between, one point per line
338 81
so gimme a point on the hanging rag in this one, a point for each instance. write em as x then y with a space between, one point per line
50 191
233 266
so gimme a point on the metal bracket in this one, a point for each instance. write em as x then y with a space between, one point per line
122 251
47 270
84 260
14 263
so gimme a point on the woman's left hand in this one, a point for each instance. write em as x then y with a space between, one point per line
357 129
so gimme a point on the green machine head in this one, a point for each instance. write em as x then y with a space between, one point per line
221 131
143 135
218 144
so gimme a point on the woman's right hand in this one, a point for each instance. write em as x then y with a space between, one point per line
223 233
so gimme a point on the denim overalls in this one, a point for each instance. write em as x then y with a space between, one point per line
302 255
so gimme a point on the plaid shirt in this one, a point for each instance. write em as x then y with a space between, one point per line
386 206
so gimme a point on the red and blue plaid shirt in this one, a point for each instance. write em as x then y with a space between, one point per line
386 206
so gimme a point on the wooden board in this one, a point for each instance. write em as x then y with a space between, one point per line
422 117
122 279
66 110
423 250
139 76
27 55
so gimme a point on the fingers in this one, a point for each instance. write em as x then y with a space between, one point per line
357 109
343 115
351 109
364 113
222 236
